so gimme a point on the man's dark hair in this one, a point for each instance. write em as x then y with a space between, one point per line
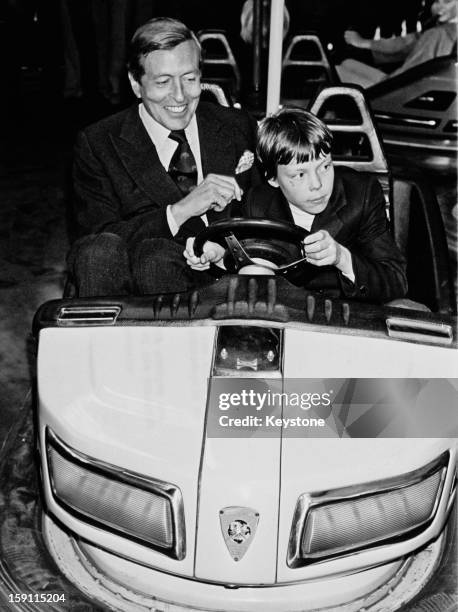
291 135
155 35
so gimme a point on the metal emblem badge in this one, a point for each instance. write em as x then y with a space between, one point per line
239 526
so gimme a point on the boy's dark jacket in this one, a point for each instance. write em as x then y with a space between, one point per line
355 217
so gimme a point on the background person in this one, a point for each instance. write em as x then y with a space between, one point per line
412 49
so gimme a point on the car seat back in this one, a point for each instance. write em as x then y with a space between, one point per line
305 68
211 92
218 62
420 234
426 108
356 141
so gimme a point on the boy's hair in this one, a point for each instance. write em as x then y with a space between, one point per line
291 135
155 35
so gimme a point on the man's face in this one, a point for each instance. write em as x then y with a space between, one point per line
307 185
170 87
444 10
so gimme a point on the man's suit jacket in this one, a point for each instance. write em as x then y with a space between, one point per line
355 217
120 184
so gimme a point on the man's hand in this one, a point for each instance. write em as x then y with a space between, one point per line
212 253
213 193
322 250
355 39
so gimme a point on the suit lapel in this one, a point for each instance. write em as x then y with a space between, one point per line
278 208
216 150
216 143
268 202
330 218
139 156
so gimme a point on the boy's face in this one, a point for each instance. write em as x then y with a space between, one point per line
307 185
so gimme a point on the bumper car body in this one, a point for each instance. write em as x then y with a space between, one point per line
144 496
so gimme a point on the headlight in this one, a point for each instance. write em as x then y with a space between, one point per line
342 521
146 510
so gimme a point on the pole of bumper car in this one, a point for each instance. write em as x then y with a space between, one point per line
275 56
257 45
255 101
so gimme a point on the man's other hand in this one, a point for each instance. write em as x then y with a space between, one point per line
213 193
212 253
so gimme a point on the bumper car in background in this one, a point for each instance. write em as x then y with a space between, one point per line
416 112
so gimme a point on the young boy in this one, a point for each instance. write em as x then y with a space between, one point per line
349 244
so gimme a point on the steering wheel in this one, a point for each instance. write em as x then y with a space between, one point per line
274 246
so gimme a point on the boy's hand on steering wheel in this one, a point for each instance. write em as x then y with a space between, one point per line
322 250
212 253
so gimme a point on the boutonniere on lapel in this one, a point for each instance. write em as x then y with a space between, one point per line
245 162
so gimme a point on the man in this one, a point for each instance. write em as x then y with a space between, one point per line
349 250
412 49
150 176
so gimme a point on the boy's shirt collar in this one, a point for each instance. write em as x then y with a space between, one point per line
301 218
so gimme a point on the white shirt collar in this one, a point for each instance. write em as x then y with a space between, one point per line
159 134
301 217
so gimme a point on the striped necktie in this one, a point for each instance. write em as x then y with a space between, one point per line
183 168
183 171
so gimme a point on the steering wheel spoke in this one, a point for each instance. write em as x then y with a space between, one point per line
237 251
290 266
